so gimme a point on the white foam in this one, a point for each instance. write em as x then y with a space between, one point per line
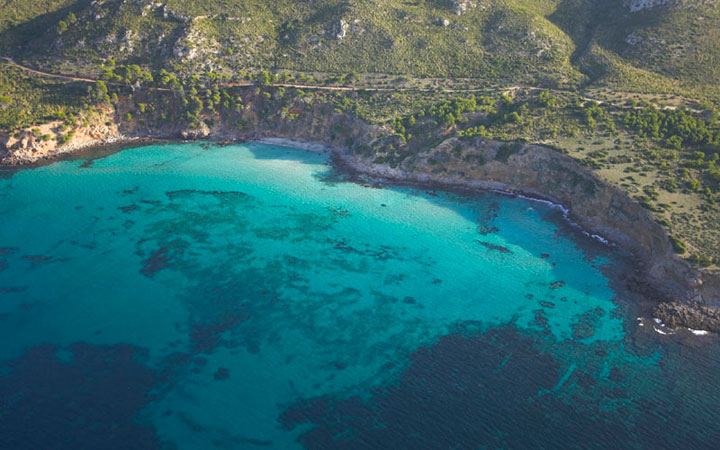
660 331
566 216
699 332
658 321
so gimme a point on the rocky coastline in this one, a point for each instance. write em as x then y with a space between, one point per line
691 316
688 297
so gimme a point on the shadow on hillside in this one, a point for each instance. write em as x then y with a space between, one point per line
26 37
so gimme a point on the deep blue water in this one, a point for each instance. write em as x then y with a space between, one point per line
193 296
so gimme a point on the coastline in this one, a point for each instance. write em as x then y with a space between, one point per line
676 283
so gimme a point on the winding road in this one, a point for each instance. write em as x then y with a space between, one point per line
248 83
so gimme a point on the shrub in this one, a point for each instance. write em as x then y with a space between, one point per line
678 245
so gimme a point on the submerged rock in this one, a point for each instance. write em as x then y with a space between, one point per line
222 374
493 247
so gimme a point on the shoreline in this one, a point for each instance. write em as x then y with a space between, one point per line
344 160
340 159
465 188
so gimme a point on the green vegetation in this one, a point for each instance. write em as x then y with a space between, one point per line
550 42
27 101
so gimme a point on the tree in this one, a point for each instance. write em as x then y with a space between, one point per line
61 27
506 100
352 77
263 78
675 142
545 99
98 93
514 117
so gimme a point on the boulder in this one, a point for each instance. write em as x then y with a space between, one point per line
340 29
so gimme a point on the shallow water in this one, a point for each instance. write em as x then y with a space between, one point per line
193 296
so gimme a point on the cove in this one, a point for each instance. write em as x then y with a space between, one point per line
250 296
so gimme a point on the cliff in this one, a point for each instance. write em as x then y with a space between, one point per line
596 206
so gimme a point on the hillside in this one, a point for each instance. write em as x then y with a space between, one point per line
620 43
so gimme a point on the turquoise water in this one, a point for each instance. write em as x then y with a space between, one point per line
194 296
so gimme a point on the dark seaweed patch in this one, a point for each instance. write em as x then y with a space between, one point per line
89 400
12 289
222 374
163 257
496 248
481 382
127 209
495 390
206 336
36 260
586 323
185 192
157 261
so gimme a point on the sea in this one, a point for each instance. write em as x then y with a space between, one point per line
254 296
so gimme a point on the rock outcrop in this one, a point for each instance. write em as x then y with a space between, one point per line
340 29
695 317
461 6
641 5
52 139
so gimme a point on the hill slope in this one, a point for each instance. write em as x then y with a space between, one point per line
655 44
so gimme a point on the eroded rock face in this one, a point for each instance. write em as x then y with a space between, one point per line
695 317
51 139
191 134
641 5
